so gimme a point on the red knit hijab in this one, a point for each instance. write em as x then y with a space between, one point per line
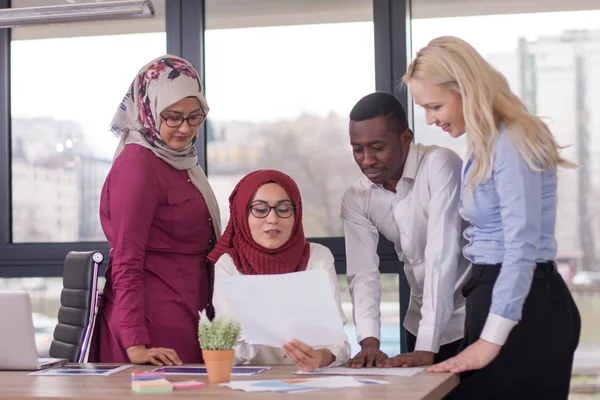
249 257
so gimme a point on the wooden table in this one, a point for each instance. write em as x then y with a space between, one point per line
18 385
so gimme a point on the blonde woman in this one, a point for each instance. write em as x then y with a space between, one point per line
522 325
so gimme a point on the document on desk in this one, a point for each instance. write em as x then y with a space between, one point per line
364 371
244 370
274 309
82 370
302 385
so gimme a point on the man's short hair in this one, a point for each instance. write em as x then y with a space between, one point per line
381 104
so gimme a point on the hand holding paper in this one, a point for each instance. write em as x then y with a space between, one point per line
306 358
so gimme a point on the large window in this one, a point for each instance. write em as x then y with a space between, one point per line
280 83
66 83
281 78
552 62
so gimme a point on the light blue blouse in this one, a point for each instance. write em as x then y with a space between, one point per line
512 220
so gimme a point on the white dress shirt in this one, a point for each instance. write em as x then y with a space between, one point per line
320 258
423 222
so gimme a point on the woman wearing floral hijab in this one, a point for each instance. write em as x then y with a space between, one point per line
265 236
159 216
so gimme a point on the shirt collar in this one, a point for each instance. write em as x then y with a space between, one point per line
411 165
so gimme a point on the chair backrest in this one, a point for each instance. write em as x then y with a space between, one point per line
78 306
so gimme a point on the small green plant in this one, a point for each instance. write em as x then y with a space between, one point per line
218 334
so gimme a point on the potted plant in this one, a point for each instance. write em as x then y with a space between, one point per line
217 339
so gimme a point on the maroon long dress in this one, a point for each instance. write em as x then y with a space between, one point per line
159 230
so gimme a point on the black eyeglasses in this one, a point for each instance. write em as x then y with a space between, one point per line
176 121
262 210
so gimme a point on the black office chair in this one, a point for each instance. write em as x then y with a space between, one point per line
78 306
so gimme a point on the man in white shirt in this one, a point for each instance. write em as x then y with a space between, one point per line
410 194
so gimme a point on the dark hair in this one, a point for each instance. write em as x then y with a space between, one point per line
381 104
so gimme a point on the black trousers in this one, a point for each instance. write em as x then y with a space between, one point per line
446 351
537 358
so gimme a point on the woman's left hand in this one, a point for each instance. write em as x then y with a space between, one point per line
305 357
475 356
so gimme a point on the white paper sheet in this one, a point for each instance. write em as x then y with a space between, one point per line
82 370
274 309
241 370
364 371
301 385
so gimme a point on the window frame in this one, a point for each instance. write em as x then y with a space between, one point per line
46 259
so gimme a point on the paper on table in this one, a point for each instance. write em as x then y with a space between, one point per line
239 370
82 370
364 371
274 309
301 385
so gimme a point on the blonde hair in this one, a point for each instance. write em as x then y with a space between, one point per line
487 102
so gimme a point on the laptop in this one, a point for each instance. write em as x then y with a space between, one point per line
17 336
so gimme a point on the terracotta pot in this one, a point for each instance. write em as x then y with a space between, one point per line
218 364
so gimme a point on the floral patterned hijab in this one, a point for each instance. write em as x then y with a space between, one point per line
159 84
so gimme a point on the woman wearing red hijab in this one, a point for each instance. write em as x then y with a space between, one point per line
265 236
